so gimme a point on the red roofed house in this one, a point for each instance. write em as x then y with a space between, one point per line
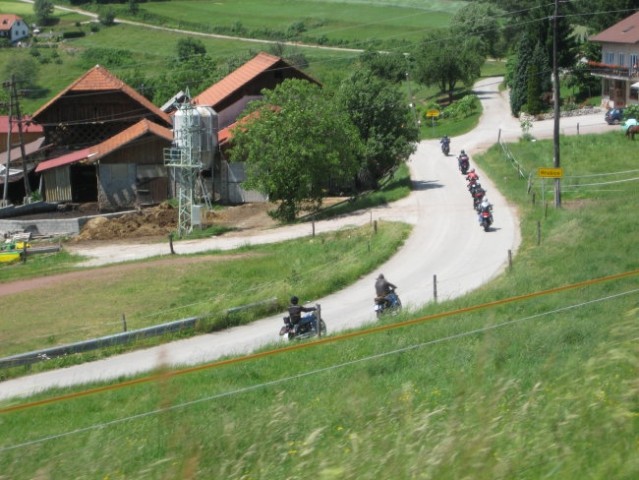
229 98
619 66
13 28
108 143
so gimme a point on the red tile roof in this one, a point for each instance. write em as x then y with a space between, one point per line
27 125
110 145
233 82
127 136
626 31
100 79
67 159
7 20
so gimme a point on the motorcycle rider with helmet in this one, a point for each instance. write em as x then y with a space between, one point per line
462 157
384 290
445 143
295 313
485 206
472 176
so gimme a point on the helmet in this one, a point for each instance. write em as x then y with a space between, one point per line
485 202
294 300
463 153
472 170
381 276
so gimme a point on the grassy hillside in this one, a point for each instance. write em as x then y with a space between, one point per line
136 50
533 376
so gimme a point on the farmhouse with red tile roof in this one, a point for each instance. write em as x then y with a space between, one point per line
619 66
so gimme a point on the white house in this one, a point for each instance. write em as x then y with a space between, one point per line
13 27
619 65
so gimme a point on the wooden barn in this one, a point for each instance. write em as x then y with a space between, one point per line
123 172
107 144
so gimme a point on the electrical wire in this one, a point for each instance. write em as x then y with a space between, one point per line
314 372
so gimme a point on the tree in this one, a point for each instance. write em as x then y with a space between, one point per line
537 83
23 69
389 66
444 59
43 10
479 20
518 87
293 141
189 47
386 124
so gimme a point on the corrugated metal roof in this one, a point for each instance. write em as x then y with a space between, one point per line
29 149
100 79
626 31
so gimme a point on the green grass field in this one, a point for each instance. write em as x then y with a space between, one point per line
528 377
396 26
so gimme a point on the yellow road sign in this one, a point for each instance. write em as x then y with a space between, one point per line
432 113
550 172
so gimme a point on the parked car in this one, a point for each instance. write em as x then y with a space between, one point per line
614 116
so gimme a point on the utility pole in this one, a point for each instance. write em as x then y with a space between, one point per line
13 101
5 190
555 77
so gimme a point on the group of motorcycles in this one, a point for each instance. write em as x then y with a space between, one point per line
477 192
307 326
480 203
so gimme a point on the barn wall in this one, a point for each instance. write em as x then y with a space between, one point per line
57 184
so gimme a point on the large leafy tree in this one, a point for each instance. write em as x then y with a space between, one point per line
479 19
43 10
386 124
294 142
444 59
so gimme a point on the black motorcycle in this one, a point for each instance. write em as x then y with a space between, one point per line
464 164
306 328
388 304
445 147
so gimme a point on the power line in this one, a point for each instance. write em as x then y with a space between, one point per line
322 341
310 373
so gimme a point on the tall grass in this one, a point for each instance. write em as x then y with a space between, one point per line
542 387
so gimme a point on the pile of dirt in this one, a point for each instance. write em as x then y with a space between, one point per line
161 220
150 222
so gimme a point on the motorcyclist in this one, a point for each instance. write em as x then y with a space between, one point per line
295 312
384 290
485 206
445 142
472 176
463 159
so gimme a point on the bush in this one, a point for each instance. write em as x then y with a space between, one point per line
73 34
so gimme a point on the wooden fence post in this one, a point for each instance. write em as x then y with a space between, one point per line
435 287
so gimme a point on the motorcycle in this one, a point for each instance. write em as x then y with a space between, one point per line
445 147
478 196
389 303
485 219
306 328
464 164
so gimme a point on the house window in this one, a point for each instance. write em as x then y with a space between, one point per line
609 58
622 59
634 62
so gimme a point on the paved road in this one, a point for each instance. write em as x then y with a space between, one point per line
446 239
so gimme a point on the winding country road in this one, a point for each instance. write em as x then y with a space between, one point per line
446 238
